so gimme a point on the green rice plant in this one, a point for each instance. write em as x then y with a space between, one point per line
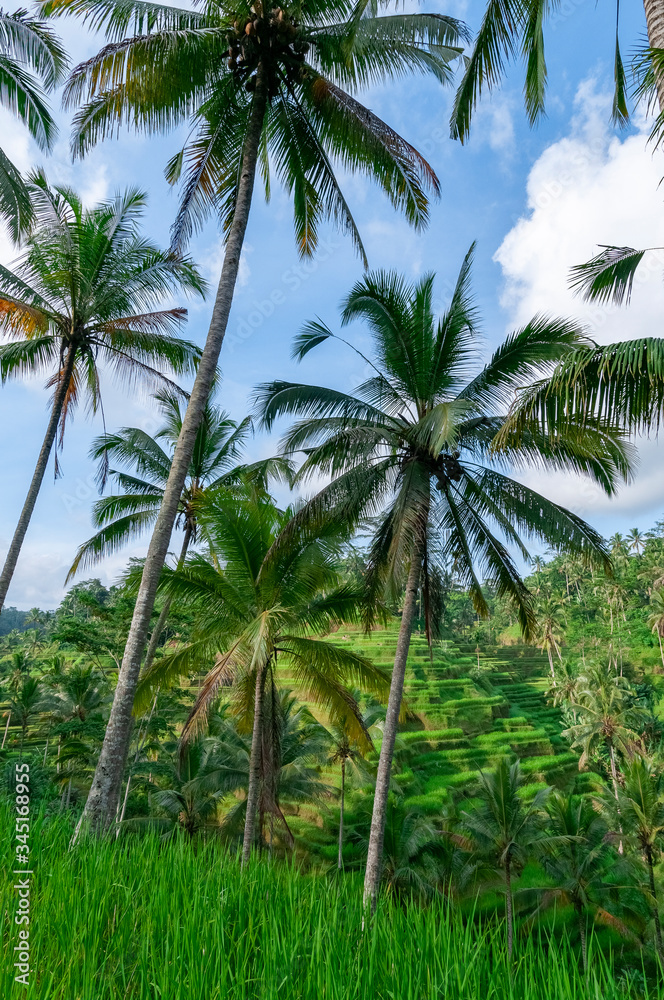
139 919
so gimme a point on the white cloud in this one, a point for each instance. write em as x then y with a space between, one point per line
587 189
494 125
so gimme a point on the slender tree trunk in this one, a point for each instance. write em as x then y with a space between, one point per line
655 24
508 905
38 476
661 650
161 621
581 921
614 780
340 861
375 852
553 673
104 793
655 907
253 790
4 738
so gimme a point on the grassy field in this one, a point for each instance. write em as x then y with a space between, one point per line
143 920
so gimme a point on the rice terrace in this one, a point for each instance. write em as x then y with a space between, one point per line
332 507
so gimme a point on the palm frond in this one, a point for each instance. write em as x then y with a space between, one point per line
609 276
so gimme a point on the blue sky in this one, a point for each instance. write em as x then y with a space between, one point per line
536 201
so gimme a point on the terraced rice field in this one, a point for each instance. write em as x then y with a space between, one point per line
467 707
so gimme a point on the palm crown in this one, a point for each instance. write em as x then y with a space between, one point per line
121 517
427 418
82 298
299 59
84 291
264 595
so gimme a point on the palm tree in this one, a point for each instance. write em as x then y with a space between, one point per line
347 751
414 852
538 564
607 720
201 775
418 439
619 546
27 47
120 518
260 85
577 859
550 629
260 598
564 688
80 692
82 294
25 702
656 617
125 516
641 814
505 829
636 540
510 28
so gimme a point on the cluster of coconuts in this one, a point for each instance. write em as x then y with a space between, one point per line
449 470
276 35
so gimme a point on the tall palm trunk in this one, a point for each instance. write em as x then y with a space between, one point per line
105 790
655 24
38 475
581 923
375 852
253 790
614 781
4 738
508 905
161 621
340 860
655 906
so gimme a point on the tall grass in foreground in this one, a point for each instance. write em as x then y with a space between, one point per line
141 919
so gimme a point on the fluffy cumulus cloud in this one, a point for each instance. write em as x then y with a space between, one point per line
592 188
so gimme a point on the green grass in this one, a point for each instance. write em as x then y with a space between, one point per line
141 920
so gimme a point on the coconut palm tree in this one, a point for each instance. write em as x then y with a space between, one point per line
608 721
578 859
80 691
505 830
123 517
349 752
82 297
656 617
262 88
260 600
417 444
636 540
196 786
641 813
32 61
550 629
619 546
26 701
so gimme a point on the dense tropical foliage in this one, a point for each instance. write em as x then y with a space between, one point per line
400 735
